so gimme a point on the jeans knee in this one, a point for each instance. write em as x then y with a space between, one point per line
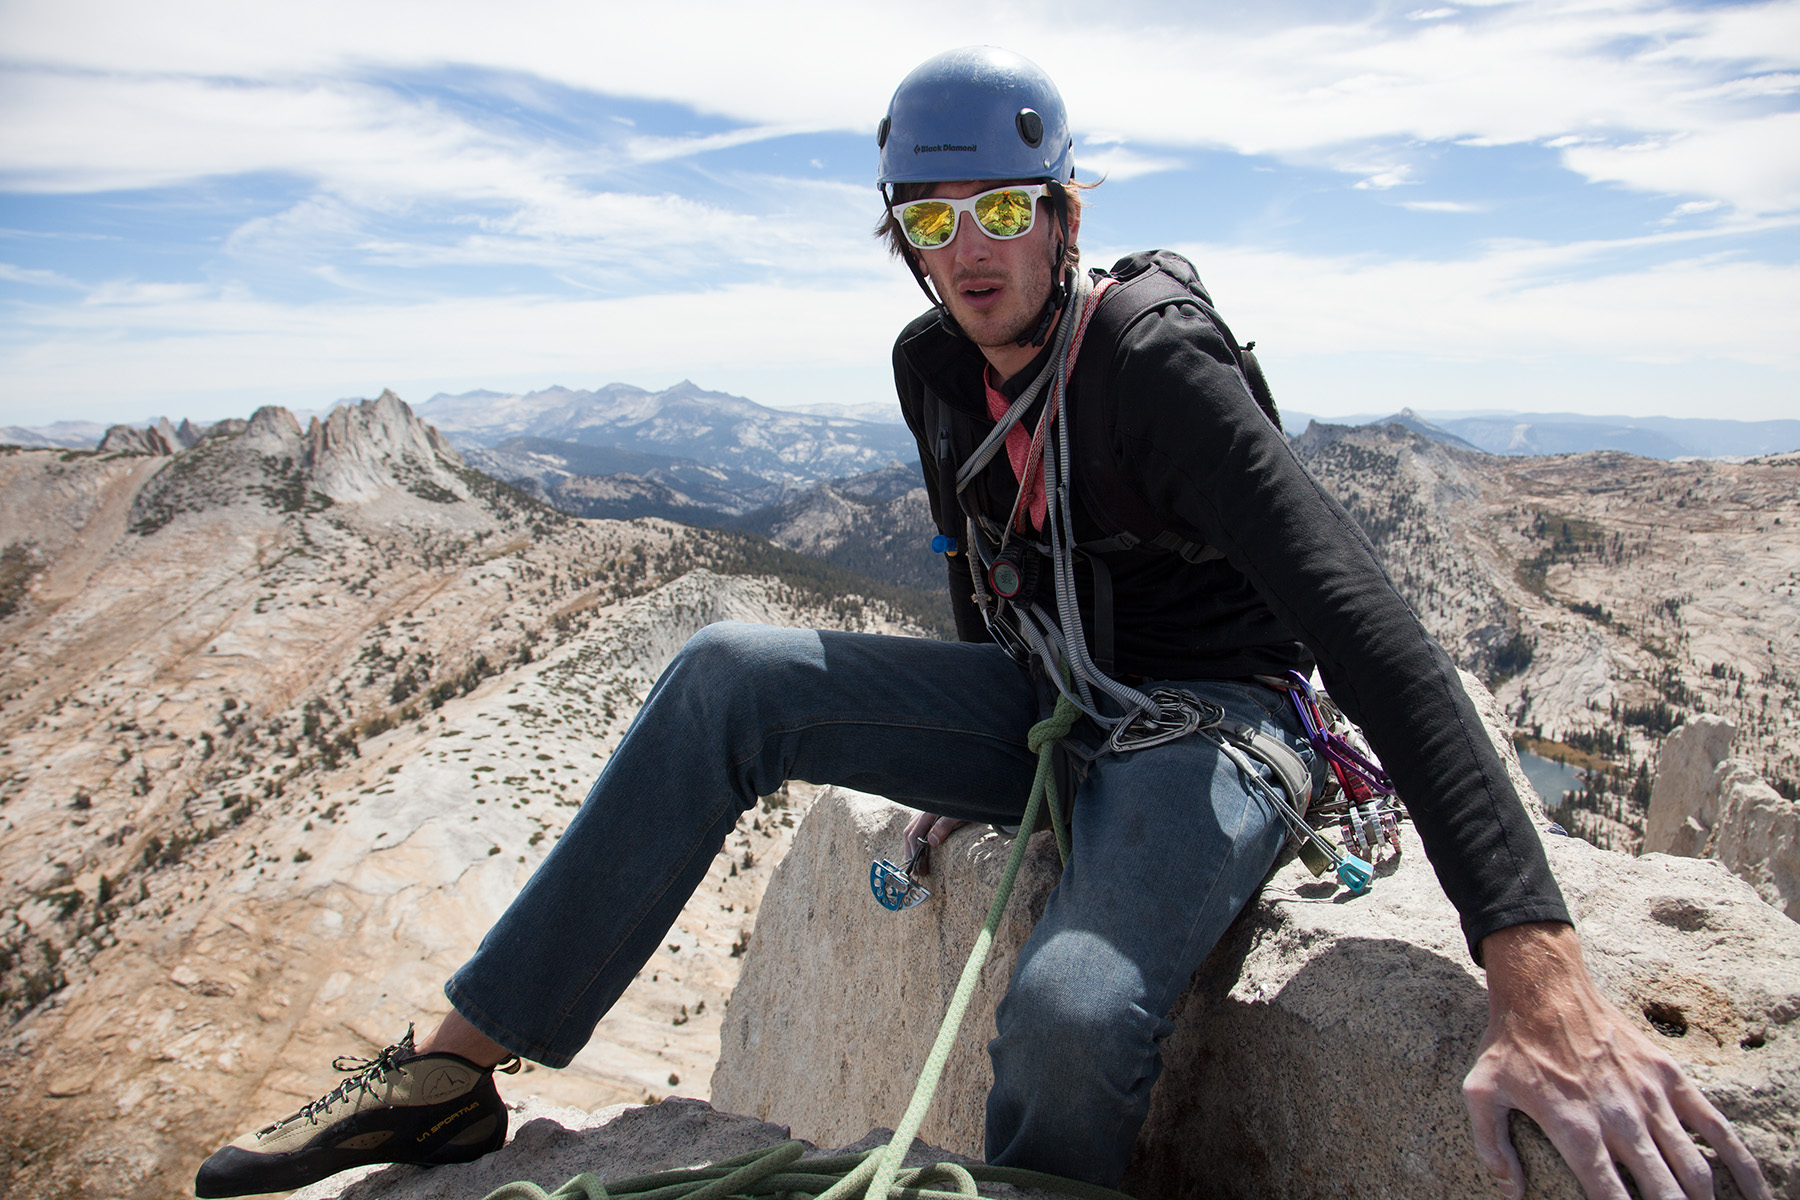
1080 995
731 654
715 648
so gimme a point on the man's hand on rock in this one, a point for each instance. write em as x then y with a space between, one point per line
1557 1051
929 829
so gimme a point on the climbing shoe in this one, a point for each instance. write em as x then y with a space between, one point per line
398 1107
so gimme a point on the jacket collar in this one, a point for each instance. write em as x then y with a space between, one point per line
951 365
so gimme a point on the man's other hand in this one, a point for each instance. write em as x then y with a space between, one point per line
931 829
1557 1051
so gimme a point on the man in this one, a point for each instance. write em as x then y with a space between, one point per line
1251 570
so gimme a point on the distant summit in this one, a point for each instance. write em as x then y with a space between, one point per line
683 422
368 453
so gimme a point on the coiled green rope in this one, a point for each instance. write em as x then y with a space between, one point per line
875 1174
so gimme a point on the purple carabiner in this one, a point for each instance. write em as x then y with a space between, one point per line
1332 746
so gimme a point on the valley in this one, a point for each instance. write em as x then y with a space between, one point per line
1603 596
287 719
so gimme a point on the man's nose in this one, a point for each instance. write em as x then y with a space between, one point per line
970 244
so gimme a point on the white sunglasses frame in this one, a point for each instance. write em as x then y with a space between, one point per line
1037 191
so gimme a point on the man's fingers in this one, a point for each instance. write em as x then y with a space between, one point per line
944 827
1581 1145
1690 1173
1691 1108
1661 1157
1488 1116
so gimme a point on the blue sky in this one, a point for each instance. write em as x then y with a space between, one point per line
204 207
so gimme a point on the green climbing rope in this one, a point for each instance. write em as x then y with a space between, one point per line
875 1174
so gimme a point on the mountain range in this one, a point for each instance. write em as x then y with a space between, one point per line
684 421
1516 433
288 711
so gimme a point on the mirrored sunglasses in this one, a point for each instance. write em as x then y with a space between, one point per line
1003 213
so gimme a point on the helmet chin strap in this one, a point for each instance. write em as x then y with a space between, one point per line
1065 279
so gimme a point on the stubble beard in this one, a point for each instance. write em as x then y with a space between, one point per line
1022 325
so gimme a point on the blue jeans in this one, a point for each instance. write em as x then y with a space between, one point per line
1169 846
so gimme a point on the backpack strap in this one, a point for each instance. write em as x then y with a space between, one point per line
1148 283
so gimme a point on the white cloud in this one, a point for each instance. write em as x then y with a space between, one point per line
1517 302
1381 181
37 277
1753 164
277 87
661 149
1118 162
65 132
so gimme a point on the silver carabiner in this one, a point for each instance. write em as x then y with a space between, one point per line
1181 712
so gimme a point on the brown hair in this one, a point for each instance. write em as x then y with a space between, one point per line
888 228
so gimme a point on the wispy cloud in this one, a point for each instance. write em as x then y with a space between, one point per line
1120 162
1520 302
37 277
661 149
1505 74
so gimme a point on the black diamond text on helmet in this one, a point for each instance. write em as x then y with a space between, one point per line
943 146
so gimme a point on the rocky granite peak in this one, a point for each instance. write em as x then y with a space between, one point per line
1709 804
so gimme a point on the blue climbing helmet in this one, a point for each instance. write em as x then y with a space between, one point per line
979 112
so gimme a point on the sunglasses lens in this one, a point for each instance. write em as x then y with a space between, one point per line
1005 214
928 223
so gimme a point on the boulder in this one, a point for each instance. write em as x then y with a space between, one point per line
550 1145
1705 804
1683 805
1319 1051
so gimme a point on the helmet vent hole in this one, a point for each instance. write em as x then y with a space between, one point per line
881 133
1031 126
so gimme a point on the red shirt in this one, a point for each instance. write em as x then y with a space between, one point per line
1018 447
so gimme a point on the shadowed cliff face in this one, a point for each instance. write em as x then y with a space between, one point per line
1605 597
287 716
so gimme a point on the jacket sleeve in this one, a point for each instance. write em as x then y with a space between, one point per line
1189 437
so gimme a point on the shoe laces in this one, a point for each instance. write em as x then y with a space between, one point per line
364 1074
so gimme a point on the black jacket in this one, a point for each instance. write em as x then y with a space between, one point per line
1297 581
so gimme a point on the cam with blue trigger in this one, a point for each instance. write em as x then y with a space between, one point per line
895 888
